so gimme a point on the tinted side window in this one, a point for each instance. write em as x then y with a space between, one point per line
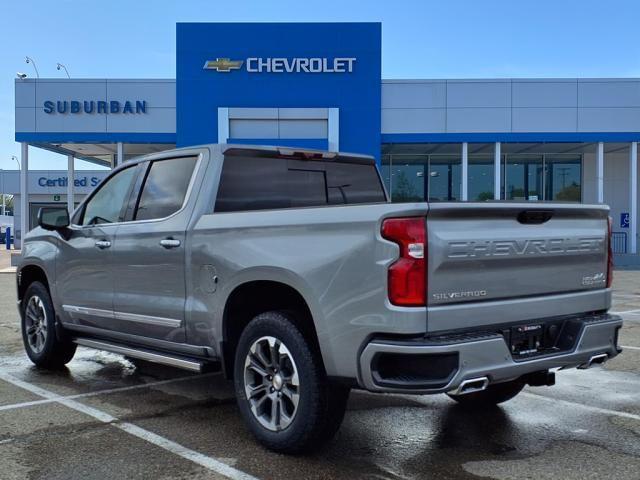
248 183
165 188
105 206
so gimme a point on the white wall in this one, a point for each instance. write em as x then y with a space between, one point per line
511 105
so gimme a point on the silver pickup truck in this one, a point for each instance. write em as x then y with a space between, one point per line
292 272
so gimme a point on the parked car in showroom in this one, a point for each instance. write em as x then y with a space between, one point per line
291 271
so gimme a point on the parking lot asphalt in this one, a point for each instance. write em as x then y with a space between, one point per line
106 417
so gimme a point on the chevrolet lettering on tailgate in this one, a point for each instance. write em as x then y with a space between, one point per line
513 248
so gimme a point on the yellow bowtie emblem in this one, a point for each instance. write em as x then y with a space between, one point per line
223 64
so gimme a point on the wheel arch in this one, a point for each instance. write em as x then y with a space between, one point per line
258 296
28 274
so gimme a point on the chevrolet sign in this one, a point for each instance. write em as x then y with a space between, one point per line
284 65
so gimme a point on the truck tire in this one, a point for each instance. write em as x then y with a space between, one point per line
493 395
39 335
282 390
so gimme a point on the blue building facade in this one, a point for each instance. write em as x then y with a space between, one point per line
300 70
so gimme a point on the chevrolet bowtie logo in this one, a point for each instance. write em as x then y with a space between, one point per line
223 64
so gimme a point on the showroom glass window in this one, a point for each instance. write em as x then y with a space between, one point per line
407 177
444 178
529 172
549 177
165 187
417 172
106 205
481 177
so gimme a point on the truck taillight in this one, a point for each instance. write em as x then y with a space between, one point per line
609 254
407 276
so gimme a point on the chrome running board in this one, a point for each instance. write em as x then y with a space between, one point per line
143 354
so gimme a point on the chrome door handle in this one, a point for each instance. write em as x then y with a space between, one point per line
102 244
170 243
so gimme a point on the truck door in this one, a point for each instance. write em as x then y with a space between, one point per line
148 259
83 267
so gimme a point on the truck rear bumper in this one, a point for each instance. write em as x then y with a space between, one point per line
443 365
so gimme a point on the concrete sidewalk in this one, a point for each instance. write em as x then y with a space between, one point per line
5 260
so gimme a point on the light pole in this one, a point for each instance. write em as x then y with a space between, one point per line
17 161
30 60
62 66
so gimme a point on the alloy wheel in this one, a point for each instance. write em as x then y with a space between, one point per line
36 324
271 383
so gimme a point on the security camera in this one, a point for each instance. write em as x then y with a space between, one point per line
21 75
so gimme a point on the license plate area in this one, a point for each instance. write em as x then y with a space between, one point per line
545 337
528 340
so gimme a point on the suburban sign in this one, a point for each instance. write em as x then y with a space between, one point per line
95 106
284 65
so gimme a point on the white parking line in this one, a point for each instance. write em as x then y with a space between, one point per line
631 348
164 443
102 392
605 411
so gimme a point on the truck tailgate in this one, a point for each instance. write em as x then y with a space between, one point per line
507 253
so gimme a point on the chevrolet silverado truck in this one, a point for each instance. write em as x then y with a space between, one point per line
291 272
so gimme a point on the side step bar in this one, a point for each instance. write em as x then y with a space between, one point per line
142 354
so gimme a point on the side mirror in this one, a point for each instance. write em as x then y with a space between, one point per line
53 218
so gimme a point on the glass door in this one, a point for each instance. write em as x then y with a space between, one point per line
523 177
563 178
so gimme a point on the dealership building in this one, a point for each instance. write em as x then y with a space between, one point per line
319 86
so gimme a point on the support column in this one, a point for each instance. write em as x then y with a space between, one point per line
333 127
223 125
119 155
70 183
496 171
633 197
464 174
600 172
24 194
4 210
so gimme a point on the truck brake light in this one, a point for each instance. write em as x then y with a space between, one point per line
609 254
407 276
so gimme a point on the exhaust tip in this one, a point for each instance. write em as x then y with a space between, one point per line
471 385
595 360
